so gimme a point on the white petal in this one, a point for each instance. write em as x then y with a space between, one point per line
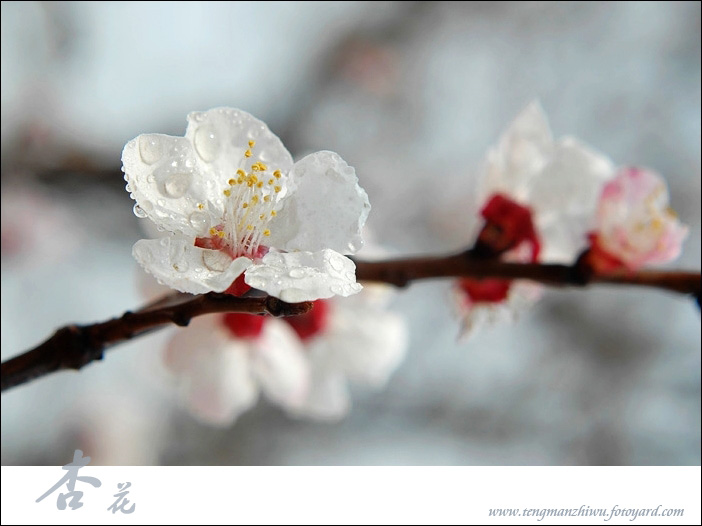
326 209
564 197
521 153
328 397
304 276
367 345
178 181
215 372
280 365
175 262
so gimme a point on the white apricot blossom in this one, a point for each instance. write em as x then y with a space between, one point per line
235 204
354 341
540 194
222 362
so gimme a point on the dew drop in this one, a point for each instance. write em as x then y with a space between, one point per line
297 273
215 260
207 143
337 289
355 245
150 148
147 206
336 262
139 211
176 185
181 266
150 179
161 202
200 221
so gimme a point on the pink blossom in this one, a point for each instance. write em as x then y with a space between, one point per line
635 225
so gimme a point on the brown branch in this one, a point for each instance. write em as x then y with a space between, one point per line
401 272
74 346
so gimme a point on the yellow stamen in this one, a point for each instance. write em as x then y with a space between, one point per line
220 233
213 231
276 174
227 192
274 213
241 173
231 182
266 232
277 189
267 198
200 206
249 227
247 153
245 205
252 144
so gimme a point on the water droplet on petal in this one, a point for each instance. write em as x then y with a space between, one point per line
147 206
161 202
139 211
355 245
163 240
337 262
215 260
150 148
200 221
176 185
297 273
207 143
182 266
150 178
337 289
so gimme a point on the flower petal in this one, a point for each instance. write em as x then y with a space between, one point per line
327 207
175 262
367 345
215 372
304 276
564 198
178 182
280 366
523 150
328 397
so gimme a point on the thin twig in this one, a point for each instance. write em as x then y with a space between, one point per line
74 346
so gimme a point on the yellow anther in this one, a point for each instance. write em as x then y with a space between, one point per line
262 217
231 182
276 174
247 153
249 227
270 181
245 205
277 189
259 167
241 173
274 213
252 143
259 184
213 231
220 233
266 232
227 192
267 198
254 199
200 206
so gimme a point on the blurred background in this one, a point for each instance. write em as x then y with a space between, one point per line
399 90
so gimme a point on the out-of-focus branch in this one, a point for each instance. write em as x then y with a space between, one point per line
401 272
74 346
